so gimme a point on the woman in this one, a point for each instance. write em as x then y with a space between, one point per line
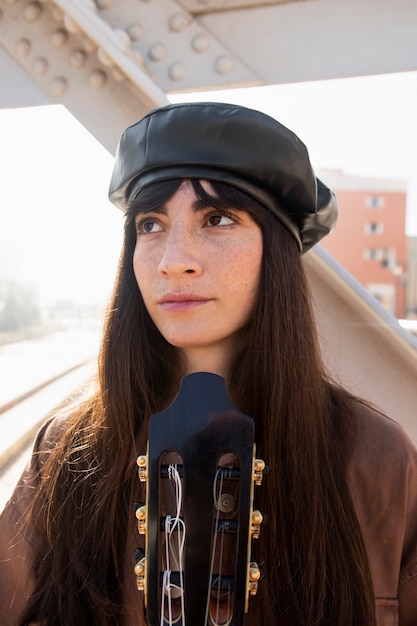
220 201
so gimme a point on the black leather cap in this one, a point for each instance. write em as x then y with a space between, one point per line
232 144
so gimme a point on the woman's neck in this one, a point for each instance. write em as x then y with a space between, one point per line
213 361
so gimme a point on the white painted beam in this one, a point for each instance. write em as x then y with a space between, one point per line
321 39
79 62
17 87
364 346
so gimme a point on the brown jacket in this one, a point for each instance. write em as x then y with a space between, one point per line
383 481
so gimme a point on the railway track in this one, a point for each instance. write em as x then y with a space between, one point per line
23 415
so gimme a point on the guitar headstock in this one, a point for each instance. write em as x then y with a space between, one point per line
200 472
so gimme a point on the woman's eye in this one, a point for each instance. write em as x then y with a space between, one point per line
220 219
147 226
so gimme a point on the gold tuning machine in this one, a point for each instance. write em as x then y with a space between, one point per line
254 574
257 518
142 463
141 517
140 571
141 513
258 469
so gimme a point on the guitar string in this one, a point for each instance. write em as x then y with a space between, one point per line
216 499
174 526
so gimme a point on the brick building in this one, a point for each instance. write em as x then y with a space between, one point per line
370 239
411 296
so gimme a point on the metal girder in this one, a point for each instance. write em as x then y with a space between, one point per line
179 53
17 88
205 6
108 60
79 61
321 39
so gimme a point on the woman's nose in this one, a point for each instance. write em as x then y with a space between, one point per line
180 254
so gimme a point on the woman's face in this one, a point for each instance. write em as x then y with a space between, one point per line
198 272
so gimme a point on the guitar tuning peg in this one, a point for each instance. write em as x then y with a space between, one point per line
140 571
141 517
267 470
265 519
138 554
258 470
257 519
254 574
142 462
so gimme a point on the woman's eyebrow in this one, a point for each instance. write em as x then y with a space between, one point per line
200 204
143 210
197 205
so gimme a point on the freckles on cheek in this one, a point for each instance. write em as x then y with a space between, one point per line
140 281
144 271
248 261
139 259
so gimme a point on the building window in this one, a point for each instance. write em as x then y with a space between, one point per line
374 228
388 258
372 254
374 202
385 256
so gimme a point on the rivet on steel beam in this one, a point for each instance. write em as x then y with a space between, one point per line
78 58
23 47
97 79
177 71
200 43
40 66
70 25
123 37
59 38
135 31
157 52
178 22
32 12
59 86
104 58
224 65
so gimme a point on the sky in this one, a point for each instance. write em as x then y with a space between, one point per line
59 232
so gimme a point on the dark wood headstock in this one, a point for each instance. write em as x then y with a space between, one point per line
200 471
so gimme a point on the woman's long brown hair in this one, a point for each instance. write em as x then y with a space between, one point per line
311 552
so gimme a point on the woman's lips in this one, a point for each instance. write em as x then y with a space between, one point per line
181 302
